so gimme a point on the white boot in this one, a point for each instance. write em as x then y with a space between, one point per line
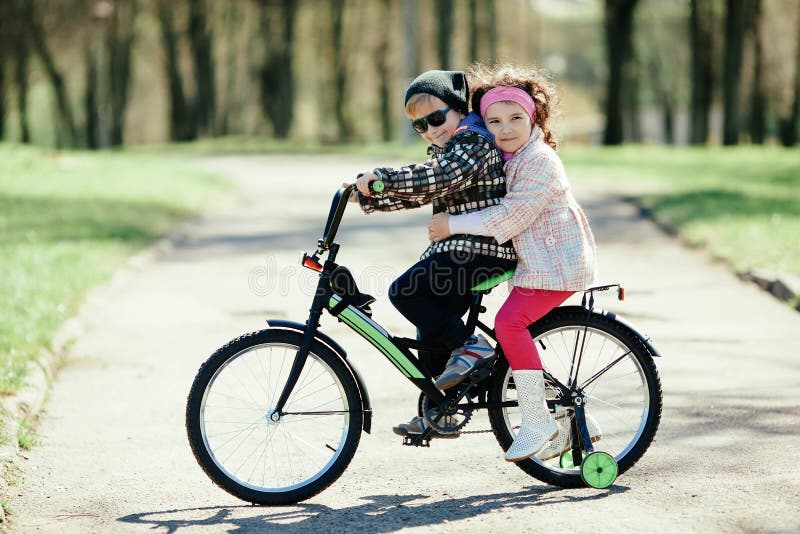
538 426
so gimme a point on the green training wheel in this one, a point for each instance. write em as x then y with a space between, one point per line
599 470
565 461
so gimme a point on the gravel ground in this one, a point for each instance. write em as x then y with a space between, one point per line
113 455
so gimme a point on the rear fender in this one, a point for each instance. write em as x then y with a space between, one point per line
644 338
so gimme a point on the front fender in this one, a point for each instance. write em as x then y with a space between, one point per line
337 349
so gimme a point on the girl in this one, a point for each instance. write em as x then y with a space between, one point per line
547 227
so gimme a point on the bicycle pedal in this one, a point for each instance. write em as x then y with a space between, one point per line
416 442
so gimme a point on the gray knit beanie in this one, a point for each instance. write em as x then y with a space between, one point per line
449 85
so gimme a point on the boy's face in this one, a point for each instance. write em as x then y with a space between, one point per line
437 135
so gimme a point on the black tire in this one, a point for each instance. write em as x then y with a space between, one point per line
626 443
243 379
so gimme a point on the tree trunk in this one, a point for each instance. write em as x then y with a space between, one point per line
6 46
120 42
491 32
277 81
411 65
21 80
472 8
205 90
444 31
663 94
411 52
789 126
758 98
384 77
230 38
734 43
630 109
181 123
702 75
2 94
37 35
339 67
619 50
91 102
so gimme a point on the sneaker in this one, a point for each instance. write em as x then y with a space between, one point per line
563 442
417 425
463 360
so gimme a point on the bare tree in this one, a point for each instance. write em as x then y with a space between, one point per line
276 76
734 43
702 76
181 123
411 63
618 25
339 71
5 53
120 43
758 97
444 31
491 30
30 20
21 79
664 94
201 45
229 103
790 125
2 96
472 10
91 101
382 70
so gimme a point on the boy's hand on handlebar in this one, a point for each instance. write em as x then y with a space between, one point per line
363 181
439 227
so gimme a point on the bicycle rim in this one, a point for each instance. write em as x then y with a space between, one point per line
265 455
617 402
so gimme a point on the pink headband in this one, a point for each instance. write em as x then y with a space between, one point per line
503 93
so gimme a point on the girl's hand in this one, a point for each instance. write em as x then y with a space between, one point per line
439 227
363 183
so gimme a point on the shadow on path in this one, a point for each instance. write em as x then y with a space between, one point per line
376 513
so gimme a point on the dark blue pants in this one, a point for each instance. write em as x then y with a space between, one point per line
434 294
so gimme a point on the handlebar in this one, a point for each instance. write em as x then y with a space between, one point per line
338 206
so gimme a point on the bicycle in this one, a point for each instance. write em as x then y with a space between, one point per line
275 416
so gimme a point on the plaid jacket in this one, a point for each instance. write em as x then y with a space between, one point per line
464 176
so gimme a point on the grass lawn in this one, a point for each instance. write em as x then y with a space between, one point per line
67 221
742 203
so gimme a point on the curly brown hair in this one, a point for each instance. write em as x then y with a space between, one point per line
532 80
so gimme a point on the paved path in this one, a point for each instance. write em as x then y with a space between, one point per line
114 457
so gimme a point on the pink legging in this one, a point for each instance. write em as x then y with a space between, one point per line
522 307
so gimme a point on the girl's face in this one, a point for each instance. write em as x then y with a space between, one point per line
509 124
437 135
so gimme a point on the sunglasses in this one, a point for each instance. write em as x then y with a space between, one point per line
434 118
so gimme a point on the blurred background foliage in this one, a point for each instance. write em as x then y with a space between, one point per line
94 74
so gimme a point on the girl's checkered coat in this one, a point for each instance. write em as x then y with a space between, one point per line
550 232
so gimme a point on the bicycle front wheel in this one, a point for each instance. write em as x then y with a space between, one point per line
260 458
621 390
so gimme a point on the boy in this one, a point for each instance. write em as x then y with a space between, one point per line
463 174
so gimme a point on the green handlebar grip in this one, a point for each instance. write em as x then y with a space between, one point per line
378 186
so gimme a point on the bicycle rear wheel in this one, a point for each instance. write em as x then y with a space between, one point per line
248 453
622 403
